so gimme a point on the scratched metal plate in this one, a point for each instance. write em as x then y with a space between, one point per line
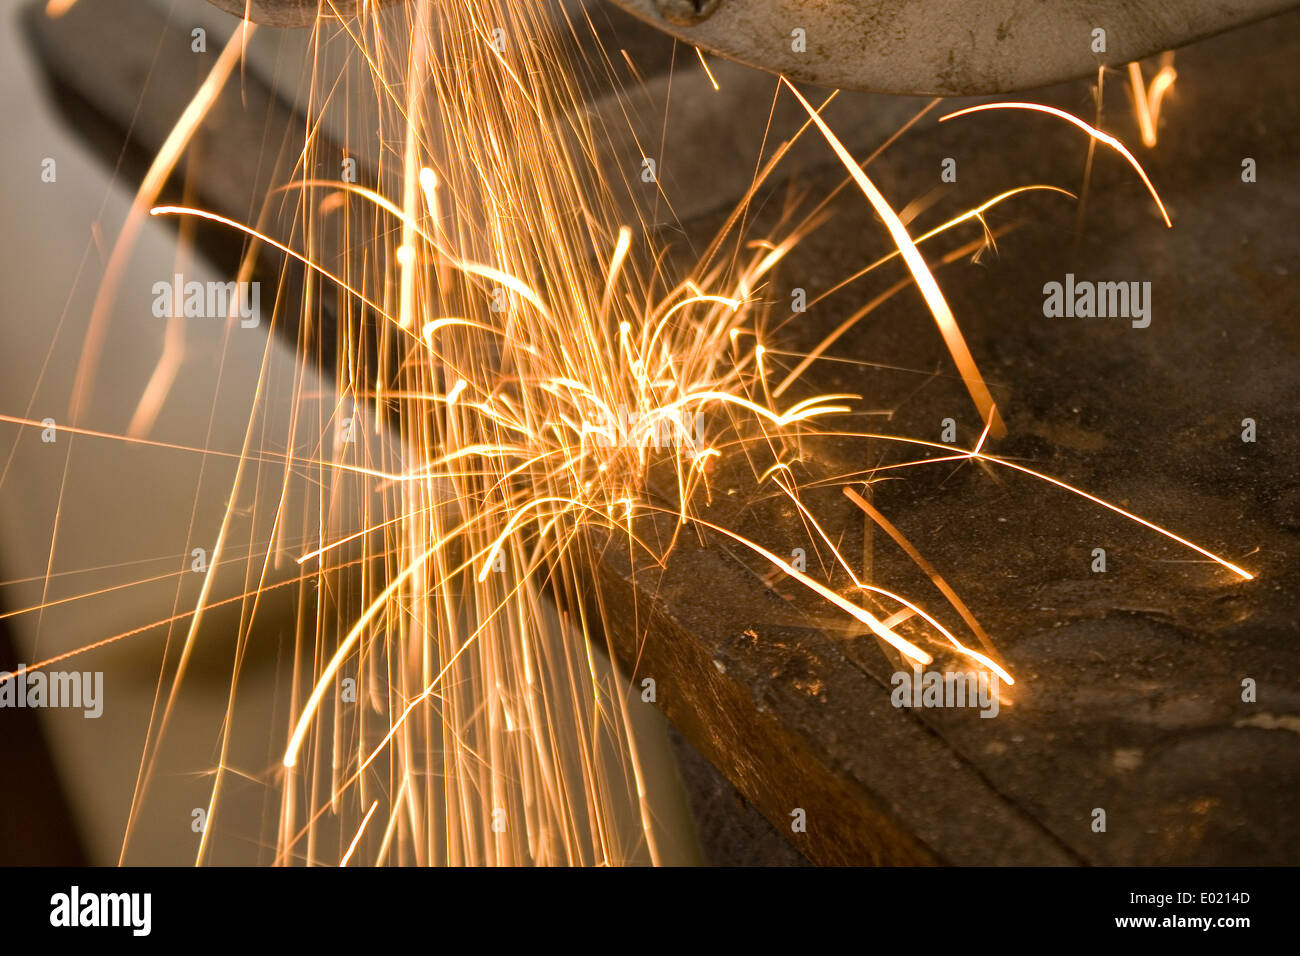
920 46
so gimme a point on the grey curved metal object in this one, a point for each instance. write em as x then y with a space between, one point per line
291 13
940 47
946 47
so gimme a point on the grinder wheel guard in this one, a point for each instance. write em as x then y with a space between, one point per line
933 47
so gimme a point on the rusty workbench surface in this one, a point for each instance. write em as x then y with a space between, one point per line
1130 681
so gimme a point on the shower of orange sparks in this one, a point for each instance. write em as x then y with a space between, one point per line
513 437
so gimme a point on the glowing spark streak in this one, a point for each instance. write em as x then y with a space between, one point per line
86 595
741 208
1159 86
57 658
463 265
979 445
1146 102
412 175
345 648
487 451
352 537
428 690
352 848
789 418
262 237
732 304
1092 131
976 213
869 307
704 63
456 389
516 285
579 389
699 460
920 272
979 456
261 456
393 818
615 266
982 658
154 179
1245 575
809 402
515 520
904 646
924 565
429 183
1141 105
430 328
962 648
